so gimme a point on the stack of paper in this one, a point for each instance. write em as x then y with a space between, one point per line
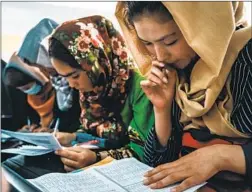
45 143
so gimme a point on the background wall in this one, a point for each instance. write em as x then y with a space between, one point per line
19 17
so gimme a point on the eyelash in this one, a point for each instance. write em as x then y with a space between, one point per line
172 43
76 76
147 44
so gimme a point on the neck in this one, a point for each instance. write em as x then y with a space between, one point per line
188 69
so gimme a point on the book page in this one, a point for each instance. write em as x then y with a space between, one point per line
46 140
87 180
28 150
128 173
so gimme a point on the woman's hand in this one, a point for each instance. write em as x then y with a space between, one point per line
34 128
42 130
192 169
160 85
64 138
76 157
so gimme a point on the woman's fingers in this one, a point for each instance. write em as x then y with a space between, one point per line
158 176
33 127
69 162
158 64
157 72
147 84
161 168
77 149
186 184
169 179
67 153
42 129
153 78
68 168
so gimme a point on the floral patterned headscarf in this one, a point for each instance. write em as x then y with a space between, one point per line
101 52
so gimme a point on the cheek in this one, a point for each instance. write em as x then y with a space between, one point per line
150 49
184 51
84 81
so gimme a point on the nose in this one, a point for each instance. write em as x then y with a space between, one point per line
161 53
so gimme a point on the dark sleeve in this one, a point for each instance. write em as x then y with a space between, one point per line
247 149
241 88
154 153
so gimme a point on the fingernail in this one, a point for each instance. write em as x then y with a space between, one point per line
56 152
152 186
145 181
165 80
173 190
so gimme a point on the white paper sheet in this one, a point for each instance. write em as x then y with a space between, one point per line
28 150
46 140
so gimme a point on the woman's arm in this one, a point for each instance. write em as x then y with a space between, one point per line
156 154
242 111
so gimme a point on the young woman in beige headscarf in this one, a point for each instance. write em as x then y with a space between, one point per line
198 60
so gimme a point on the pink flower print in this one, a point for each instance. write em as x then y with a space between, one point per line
102 128
82 97
83 26
84 123
122 89
118 51
123 73
99 38
82 45
110 92
90 26
116 46
115 61
94 32
87 33
92 125
92 98
95 43
96 109
123 56
118 80
98 89
114 85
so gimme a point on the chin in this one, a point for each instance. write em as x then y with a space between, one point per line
181 65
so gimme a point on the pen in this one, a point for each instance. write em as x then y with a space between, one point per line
28 121
56 127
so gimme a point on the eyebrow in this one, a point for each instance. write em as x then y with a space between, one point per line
69 74
161 38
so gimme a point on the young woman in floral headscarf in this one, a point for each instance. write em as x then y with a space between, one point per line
92 56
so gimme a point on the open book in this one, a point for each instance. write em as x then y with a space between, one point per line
118 176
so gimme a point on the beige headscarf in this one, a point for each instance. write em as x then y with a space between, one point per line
209 28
